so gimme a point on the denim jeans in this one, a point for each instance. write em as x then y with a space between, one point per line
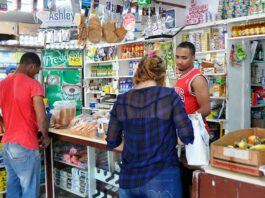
167 184
23 171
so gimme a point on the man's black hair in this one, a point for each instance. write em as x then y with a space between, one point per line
188 45
30 58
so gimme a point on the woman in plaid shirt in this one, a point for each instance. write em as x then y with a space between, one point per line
151 118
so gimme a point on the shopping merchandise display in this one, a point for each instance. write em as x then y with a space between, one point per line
90 54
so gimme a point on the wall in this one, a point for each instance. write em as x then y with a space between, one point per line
15 16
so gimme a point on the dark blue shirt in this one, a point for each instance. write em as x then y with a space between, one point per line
150 119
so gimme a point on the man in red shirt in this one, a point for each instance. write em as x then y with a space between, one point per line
23 111
192 87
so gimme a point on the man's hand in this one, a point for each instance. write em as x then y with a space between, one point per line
44 141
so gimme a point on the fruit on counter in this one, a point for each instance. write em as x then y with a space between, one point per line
249 143
259 147
253 139
243 144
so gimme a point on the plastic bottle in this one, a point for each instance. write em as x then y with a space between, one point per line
261 53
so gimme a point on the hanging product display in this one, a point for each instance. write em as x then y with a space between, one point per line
94 29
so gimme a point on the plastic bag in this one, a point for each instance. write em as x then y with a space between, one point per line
198 153
83 125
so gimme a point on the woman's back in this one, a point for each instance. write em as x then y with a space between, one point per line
147 119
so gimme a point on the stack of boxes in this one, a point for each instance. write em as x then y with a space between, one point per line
206 40
237 8
72 179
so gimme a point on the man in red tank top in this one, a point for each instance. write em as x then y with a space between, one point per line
192 86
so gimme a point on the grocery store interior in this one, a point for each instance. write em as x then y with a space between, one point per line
90 51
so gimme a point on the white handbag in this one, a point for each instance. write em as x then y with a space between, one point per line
198 153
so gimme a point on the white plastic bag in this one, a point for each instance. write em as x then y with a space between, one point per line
198 153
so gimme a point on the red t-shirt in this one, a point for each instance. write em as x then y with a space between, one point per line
183 89
16 101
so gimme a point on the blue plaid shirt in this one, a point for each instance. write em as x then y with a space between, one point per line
148 118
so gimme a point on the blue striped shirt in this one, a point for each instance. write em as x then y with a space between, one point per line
150 119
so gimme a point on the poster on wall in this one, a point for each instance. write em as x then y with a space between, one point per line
63 85
62 58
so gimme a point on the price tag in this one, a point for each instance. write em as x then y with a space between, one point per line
75 61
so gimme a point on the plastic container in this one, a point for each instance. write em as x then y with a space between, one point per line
66 109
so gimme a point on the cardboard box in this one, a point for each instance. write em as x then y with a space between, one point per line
234 159
8 28
28 29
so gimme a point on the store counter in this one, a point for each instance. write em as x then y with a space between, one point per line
66 136
219 183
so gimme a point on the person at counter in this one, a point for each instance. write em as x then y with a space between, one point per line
148 117
23 112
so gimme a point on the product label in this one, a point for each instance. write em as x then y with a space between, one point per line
236 153
75 58
61 58
59 18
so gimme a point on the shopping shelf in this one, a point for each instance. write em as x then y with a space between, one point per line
258 106
73 192
70 164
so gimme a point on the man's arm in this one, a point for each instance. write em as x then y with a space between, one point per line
200 88
42 120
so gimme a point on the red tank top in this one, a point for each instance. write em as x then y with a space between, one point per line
183 89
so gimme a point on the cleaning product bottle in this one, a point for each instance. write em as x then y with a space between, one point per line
47 109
